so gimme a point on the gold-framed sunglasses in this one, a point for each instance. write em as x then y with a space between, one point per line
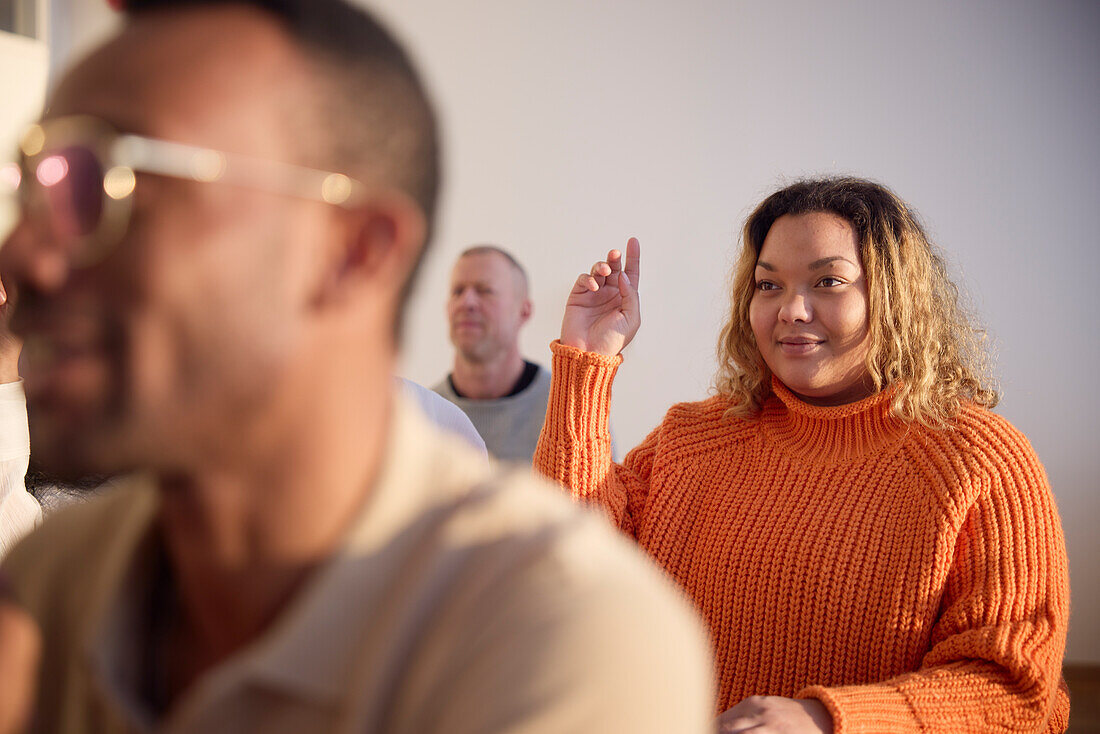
76 176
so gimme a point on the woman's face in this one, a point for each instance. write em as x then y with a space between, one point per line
809 309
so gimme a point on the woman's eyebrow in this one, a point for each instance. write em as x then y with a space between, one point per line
817 264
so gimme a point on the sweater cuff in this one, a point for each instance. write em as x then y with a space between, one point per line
580 394
873 709
586 374
593 359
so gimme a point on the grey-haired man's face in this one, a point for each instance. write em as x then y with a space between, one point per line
487 305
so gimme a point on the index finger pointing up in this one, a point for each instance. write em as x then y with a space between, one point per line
633 265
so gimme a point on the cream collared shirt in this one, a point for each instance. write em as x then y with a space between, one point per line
461 601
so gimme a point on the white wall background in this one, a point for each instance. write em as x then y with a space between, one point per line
22 85
574 124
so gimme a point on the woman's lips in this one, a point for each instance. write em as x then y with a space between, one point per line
799 347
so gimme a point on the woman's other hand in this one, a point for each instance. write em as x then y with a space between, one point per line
776 715
602 314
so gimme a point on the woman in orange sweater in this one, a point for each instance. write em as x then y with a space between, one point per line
872 548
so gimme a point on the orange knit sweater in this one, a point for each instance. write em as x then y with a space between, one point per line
908 578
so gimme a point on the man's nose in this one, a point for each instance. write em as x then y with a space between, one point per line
795 308
467 297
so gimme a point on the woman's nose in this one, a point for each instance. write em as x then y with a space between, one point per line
795 308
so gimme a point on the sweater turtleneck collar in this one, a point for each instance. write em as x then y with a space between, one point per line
834 433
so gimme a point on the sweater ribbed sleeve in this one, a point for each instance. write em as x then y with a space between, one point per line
997 646
574 448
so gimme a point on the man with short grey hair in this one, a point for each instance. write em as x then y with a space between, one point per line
503 394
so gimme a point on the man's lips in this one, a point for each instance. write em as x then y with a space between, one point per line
43 352
55 343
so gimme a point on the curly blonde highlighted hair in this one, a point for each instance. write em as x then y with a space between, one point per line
921 338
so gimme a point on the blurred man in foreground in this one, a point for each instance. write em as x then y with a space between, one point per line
222 210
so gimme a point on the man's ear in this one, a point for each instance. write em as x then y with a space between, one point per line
379 242
525 310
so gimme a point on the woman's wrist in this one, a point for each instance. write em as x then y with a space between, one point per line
589 356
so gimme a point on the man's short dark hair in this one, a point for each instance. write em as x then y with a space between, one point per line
375 111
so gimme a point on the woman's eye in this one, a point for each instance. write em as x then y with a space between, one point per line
830 282
764 285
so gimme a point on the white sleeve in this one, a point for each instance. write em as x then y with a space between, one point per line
19 511
444 414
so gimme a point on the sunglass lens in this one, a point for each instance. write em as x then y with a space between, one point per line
72 184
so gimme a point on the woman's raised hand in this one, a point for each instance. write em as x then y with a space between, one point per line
602 314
